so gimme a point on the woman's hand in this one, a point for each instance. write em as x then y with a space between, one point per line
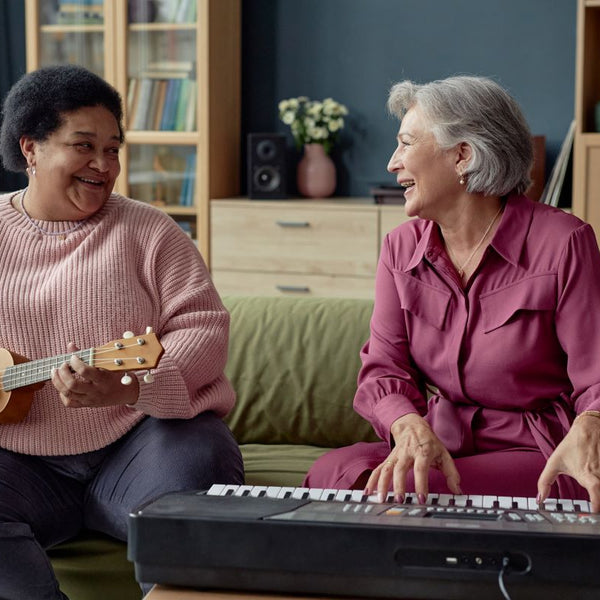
416 447
81 385
578 455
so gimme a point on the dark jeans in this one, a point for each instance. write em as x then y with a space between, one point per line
47 500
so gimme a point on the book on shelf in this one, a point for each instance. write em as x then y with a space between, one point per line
142 107
186 197
160 104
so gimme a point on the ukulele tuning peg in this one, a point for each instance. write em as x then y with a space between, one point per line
126 379
128 334
148 329
148 378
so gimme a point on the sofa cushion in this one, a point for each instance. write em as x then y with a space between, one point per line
293 364
283 464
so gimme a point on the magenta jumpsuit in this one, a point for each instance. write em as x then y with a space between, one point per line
507 362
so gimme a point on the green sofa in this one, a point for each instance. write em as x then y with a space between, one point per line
293 363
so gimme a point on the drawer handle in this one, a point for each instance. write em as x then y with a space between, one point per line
303 289
293 223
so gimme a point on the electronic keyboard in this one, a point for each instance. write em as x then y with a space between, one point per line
343 543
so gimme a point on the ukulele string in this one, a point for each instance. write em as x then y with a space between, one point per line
28 372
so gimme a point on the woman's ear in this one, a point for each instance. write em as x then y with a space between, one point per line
464 154
28 149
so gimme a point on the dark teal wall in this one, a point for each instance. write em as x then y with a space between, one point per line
353 50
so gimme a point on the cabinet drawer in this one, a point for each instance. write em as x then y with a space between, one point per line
307 239
242 283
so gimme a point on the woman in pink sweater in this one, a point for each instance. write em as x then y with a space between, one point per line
80 266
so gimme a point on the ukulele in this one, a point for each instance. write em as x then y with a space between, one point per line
20 377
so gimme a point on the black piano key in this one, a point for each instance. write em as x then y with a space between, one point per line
287 494
246 492
304 495
262 493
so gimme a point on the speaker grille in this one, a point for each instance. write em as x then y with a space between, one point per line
266 166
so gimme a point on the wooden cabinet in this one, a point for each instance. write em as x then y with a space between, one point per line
176 64
299 247
586 157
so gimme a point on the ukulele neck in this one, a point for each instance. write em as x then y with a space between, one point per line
36 371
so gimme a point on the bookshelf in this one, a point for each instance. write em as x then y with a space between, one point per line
176 64
586 145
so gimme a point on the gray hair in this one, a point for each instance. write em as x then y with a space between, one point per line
479 112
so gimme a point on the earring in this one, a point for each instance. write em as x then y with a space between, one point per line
31 170
462 179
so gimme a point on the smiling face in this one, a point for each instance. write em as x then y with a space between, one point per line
76 167
428 173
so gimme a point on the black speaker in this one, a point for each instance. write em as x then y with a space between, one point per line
266 166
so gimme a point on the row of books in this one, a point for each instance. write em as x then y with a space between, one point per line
84 12
162 104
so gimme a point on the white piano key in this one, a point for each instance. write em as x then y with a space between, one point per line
567 505
505 502
299 493
476 500
357 495
520 502
328 494
488 501
272 491
532 504
215 489
582 505
343 495
374 498
229 490
460 500
258 490
444 499
315 493
550 504
285 491
243 490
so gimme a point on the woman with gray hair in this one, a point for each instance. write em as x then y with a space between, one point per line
480 375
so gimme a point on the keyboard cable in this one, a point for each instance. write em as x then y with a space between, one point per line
504 571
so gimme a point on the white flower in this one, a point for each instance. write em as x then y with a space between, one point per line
313 121
288 117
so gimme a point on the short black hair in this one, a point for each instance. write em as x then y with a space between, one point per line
36 104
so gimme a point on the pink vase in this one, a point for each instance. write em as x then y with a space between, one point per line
316 176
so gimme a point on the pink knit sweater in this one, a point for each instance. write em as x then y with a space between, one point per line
128 267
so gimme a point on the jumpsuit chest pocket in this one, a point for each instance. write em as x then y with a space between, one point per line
503 306
422 300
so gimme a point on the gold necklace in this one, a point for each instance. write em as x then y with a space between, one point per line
461 269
